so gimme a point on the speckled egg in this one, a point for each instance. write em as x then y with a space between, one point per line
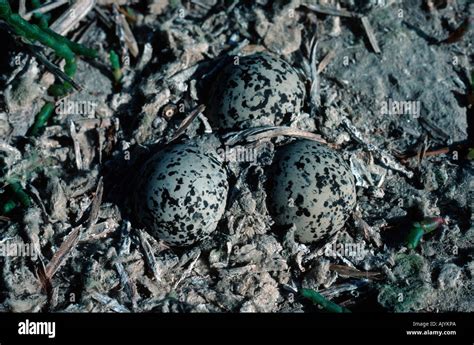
312 187
181 194
255 90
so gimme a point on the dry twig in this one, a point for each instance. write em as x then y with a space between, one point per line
370 34
355 273
331 11
187 121
268 132
149 256
74 14
45 8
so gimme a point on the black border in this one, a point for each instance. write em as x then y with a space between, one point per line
308 328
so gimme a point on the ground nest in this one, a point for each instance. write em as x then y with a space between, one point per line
386 84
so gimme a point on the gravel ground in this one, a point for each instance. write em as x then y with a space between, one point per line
387 85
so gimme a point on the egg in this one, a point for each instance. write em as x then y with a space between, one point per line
181 193
255 90
311 187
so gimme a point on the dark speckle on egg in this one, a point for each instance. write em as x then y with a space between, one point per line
312 187
181 194
258 90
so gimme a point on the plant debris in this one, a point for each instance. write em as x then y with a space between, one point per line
91 90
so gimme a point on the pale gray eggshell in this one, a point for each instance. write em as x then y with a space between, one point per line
260 90
312 187
181 194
